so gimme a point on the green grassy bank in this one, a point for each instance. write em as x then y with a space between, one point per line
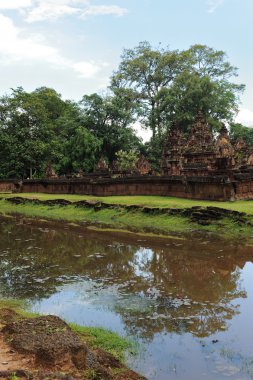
143 200
121 217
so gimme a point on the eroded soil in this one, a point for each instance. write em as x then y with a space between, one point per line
46 348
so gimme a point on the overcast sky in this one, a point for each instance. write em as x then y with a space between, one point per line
74 45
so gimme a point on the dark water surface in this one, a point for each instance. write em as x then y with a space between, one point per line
189 303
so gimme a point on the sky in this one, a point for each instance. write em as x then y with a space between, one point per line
74 46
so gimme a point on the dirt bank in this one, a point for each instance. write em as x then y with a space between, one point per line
47 348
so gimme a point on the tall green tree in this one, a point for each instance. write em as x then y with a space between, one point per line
171 85
204 84
148 73
81 152
30 131
25 133
110 118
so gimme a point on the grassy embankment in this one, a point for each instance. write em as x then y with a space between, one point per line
95 337
123 219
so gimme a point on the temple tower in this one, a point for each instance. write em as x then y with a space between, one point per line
171 163
199 157
225 150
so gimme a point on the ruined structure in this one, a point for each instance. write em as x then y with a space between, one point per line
200 151
241 152
171 163
250 156
201 155
143 166
50 172
198 167
225 159
102 165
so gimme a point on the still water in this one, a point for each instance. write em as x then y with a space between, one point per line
188 302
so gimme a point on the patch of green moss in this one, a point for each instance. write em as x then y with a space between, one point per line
107 340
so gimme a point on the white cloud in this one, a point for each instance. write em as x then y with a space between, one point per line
14 47
104 10
51 10
15 4
214 4
54 9
245 117
86 69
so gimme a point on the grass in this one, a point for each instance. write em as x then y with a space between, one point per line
19 306
151 201
134 220
13 304
107 340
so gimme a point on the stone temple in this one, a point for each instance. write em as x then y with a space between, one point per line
203 155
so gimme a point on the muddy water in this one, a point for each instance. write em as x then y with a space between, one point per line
188 303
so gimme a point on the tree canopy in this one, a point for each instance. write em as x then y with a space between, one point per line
173 85
152 86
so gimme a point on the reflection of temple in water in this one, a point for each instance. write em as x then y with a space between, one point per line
175 286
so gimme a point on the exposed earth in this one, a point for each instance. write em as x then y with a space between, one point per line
46 348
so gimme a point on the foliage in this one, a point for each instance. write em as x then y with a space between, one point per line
153 86
238 130
171 85
147 73
38 127
108 118
80 151
107 340
126 160
29 131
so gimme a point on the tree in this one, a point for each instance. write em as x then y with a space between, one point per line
173 85
109 119
204 85
24 134
31 132
147 73
81 152
126 161
238 131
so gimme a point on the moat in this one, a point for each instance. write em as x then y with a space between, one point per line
188 303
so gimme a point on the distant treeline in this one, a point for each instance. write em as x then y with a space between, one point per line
152 86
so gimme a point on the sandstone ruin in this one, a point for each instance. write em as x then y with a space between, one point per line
203 155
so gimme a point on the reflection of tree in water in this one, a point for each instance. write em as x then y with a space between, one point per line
186 286
186 292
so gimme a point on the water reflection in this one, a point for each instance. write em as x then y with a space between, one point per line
174 286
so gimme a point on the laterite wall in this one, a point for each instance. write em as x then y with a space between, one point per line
193 188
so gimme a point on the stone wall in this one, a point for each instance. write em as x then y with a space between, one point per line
7 186
208 188
244 189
